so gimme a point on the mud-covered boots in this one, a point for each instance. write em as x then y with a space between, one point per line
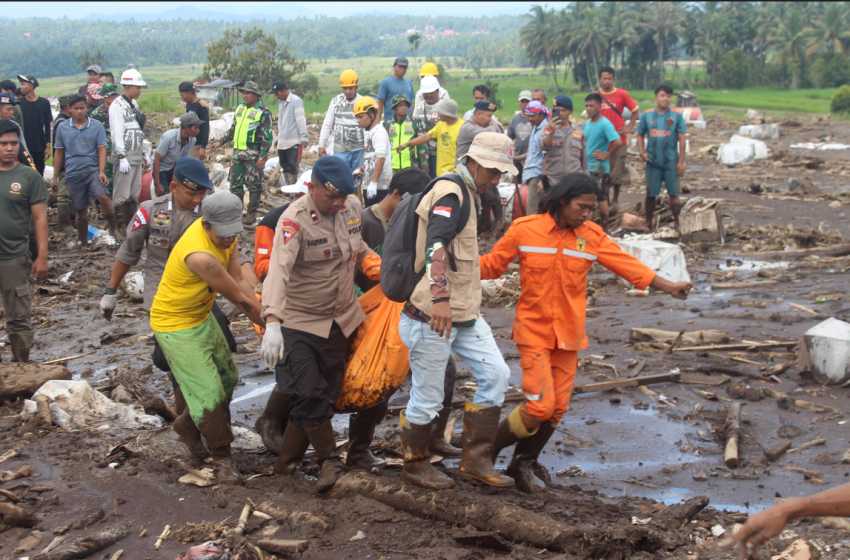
417 465
292 449
361 430
225 472
439 444
321 436
251 211
189 434
63 212
480 424
289 178
525 457
272 422
20 347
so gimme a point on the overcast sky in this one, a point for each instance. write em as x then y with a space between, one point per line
76 10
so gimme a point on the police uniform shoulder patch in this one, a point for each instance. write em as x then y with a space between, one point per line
314 216
140 219
288 230
581 244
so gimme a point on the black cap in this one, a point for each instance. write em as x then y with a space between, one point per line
334 174
564 102
192 174
7 99
279 85
28 78
401 61
187 87
484 105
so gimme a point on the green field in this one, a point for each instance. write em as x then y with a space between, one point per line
163 80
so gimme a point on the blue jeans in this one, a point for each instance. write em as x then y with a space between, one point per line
429 354
353 159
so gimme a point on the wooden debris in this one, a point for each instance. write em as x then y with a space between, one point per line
239 530
620 383
277 546
778 450
676 342
638 334
15 516
733 430
162 537
705 394
701 379
7 476
803 308
86 546
22 380
813 443
800 549
67 358
8 455
9 495
744 285
483 539
737 346
805 472
846 459
835 251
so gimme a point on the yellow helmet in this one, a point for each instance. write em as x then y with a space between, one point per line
348 78
364 104
429 69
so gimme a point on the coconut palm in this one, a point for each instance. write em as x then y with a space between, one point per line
666 19
789 42
829 29
590 37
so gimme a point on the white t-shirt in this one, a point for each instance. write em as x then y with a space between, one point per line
377 146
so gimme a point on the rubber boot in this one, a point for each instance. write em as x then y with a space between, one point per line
64 214
120 219
272 422
292 449
417 460
251 211
189 434
525 457
480 424
361 430
439 444
20 348
223 467
511 430
83 231
321 436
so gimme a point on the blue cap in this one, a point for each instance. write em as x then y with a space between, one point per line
7 99
192 174
564 102
484 105
334 174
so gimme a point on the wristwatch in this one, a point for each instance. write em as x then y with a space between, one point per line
107 291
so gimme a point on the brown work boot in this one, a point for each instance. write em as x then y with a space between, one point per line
439 445
321 436
20 348
361 430
189 434
417 465
480 424
272 421
525 457
250 217
225 472
293 446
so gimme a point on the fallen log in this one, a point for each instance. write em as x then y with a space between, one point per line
733 432
22 380
727 370
763 317
836 251
736 346
491 513
276 546
619 383
639 334
743 285
86 546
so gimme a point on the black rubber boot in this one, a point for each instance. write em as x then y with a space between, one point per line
223 467
361 430
272 422
321 436
417 465
480 424
525 457
292 449
20 348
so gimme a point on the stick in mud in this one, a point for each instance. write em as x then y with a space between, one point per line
733 431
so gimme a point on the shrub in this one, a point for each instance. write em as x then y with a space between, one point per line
734 70
831 69
841 100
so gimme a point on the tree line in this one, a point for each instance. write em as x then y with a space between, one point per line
787 44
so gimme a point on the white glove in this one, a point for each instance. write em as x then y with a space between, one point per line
107 304
372 191
272 349
147 159
123 165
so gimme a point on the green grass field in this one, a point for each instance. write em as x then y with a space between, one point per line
162 94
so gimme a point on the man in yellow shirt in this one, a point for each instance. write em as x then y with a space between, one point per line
204 263
445 133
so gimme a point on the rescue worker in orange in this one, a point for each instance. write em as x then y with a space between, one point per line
556 249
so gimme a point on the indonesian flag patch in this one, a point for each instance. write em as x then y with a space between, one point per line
445 211
140 219
263 248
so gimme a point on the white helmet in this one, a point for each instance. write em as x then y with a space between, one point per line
429 84
132 77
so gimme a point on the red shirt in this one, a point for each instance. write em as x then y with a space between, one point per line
621 99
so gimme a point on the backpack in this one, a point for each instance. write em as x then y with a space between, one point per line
398 275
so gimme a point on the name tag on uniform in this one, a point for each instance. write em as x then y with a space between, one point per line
239 111
408 128
392 133
252 114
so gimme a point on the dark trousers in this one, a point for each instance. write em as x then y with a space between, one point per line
311 373
432 166
158 356
38 160
165 178
290 158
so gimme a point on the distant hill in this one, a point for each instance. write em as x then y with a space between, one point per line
289 10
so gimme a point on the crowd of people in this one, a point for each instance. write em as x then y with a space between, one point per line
314 256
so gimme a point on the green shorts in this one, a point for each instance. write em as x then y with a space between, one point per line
655 176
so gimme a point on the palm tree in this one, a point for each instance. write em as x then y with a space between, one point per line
591 37
414 41
623 35
666 19
533 35
829 30
84 59
100 58
788 40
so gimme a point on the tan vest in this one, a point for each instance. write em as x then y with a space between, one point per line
465 284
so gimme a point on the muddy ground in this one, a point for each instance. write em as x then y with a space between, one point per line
643 451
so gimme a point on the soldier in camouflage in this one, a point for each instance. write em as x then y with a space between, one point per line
402 128
109 91
252 136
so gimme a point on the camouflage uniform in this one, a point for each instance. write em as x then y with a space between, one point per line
244 174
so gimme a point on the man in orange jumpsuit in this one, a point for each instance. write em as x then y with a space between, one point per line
556 249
